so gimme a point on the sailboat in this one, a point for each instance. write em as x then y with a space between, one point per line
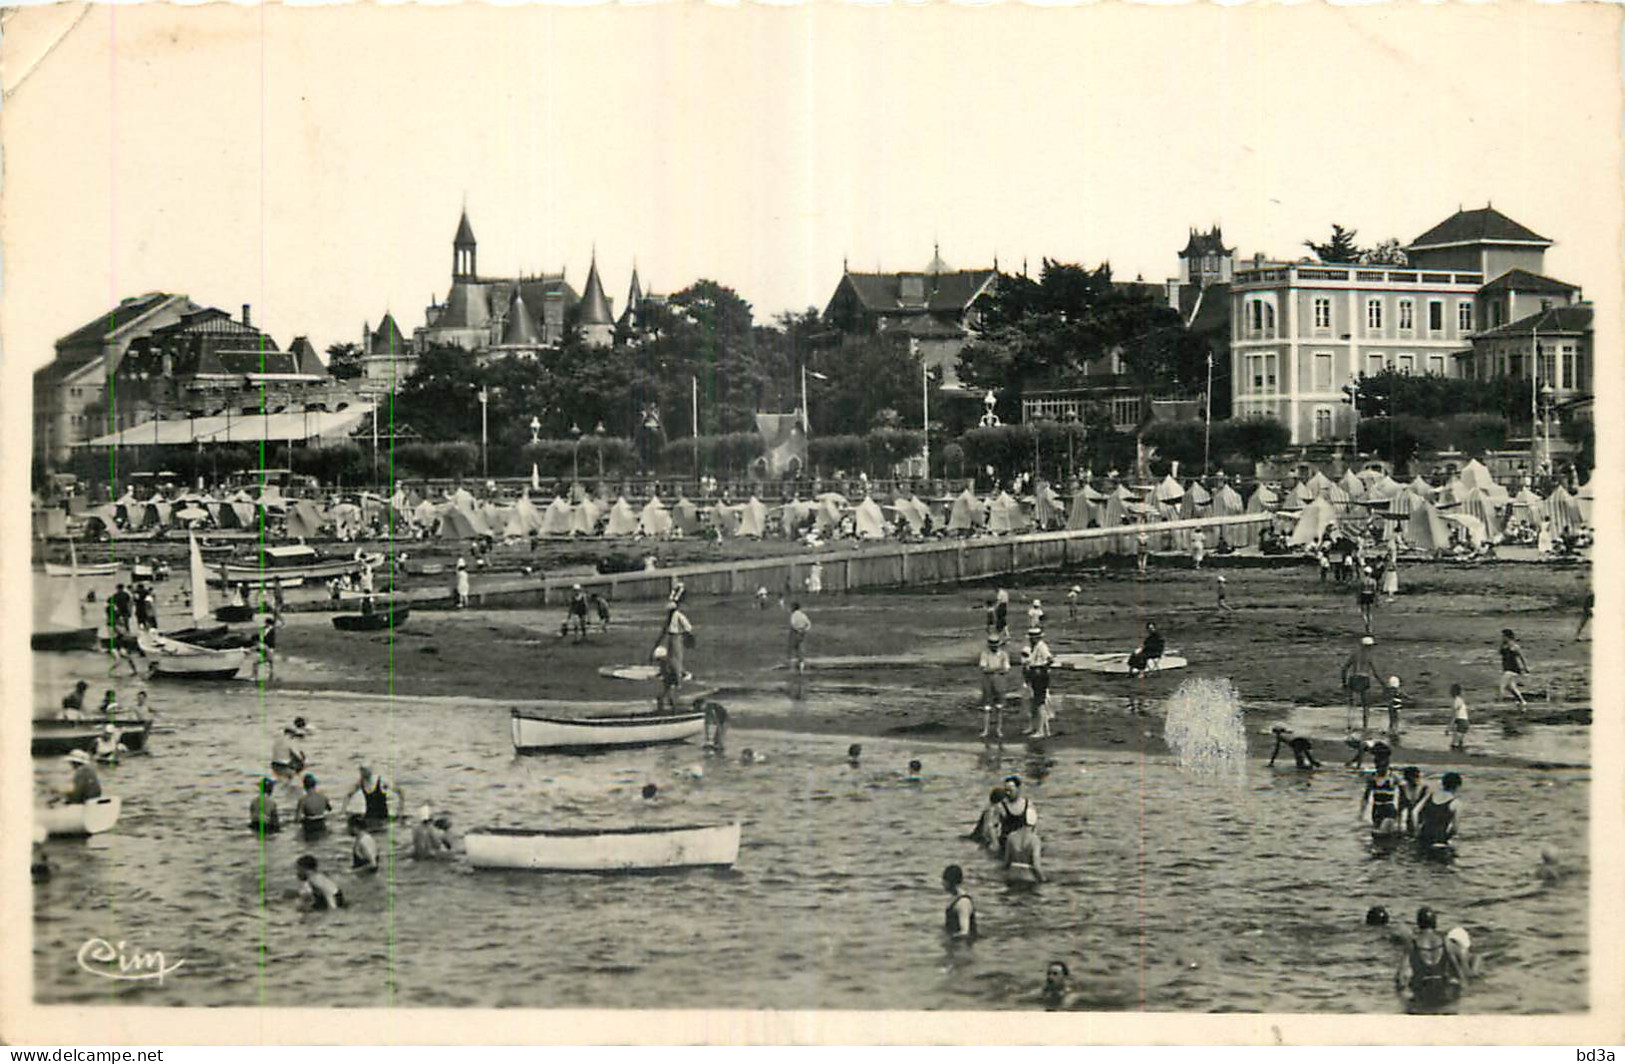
202 635
65 627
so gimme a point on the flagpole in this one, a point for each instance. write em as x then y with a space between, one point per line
1207 420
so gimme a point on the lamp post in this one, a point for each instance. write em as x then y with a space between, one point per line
485 463
1547 397
598 439
1534 393
925 414
535 430
575 456
1069 419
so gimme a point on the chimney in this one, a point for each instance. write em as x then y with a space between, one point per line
1258 259
248 321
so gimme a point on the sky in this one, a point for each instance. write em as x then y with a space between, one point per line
313 161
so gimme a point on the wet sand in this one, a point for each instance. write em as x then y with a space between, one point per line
904 663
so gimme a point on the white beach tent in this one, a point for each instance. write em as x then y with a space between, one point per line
1168 490
556 518
1313 522
655 519
870 522
794 515
1425 529
1004 515
724 517
685 516
1562 512
584 517
967 514
1352 486
752 516
1475 475
623 520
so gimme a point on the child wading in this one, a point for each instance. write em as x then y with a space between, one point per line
1459 721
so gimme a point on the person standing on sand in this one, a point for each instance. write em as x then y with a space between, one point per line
1198 548
994 663
461 587
1358 672
1396 702
1142 551
1460 720
1513 666
676 635
1035 666
1367 596
1223 605
1001 613
1390 572
800 625
1072 602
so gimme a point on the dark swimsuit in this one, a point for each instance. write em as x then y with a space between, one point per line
377 802
950 920
1433 821
1011 822
1430 981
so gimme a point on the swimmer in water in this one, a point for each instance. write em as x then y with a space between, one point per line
312 809
1412 793
1056 994
1376 916
263 817
1382 798
1302 749
423 838
853 754
914 768
317 891
364 852
959 919
1427 976
1437 818
649 791
986 830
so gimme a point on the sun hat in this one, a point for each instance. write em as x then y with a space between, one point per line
1035 630
993 640
1393 681
78 757
660 652
1367 641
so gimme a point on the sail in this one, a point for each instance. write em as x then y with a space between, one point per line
66 613
200 582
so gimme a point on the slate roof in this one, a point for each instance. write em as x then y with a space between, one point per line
212 321
924 327
387 338
465 233
951 291
1525 281
1481 225
519 330
1213 313
1573 319
1208 243
466 307
594 304
126 312
238 363
305 356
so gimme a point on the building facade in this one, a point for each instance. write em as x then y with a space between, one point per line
1301 331
935 310
69 402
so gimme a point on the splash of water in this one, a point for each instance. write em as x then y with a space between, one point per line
1204 728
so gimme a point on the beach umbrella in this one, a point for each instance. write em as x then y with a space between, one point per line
1168 490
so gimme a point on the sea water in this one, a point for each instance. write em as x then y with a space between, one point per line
1186 891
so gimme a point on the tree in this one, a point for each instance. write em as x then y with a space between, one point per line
865 377
1428 395
1254 438
1341 248
344 361
1386 253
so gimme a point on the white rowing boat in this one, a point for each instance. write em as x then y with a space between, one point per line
91 818
535 731
87 569
1116 664
186 661
604 850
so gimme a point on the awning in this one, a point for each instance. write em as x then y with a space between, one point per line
300 426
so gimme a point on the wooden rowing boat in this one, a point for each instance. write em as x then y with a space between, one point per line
53 737
1115 664
63 640
90 818
372 622
185 661
87 569
534 731
605 850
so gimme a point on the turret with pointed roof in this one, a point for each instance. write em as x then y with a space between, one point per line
387 338
519 330
463 248
597 320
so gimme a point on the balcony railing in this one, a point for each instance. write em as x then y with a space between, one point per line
1351 275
